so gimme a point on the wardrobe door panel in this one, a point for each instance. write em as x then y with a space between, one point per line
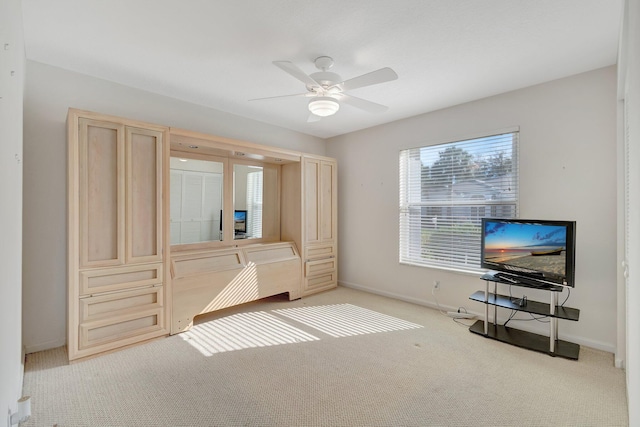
144 173
311 200
101 192
328 199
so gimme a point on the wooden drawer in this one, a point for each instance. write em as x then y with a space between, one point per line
118 303
122 329
120 318
321 281
97 281
313 268
319 251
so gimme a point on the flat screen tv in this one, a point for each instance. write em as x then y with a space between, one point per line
530 252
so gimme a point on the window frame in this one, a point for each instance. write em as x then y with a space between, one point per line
412 234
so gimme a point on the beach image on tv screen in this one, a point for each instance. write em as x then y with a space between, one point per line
535 247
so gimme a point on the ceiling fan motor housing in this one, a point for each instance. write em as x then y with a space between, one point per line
325 78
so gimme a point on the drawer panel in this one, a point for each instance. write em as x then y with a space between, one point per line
117 278
93 308
321 281
118 329
323 251
313 268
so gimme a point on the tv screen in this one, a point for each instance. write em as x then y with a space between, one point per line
240 221
530 251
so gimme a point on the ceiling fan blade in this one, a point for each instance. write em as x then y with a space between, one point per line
282 96
296 72
373 78
363 104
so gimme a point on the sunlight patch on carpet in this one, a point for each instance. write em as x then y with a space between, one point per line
343 320
241 331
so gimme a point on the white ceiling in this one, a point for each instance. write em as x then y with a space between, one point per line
219 53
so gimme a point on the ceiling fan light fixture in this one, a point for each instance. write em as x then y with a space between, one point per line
323 106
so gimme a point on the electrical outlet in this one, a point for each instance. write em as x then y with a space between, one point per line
436 284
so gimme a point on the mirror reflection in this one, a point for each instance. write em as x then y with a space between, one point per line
196 200
247 201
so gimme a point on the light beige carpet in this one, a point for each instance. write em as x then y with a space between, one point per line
340 358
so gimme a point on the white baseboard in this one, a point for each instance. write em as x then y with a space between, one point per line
397 296
45 346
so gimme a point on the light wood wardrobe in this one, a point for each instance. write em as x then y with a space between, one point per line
320 247
128 284
117 249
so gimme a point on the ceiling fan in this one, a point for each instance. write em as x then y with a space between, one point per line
327 89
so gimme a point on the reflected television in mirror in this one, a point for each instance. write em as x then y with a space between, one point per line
240 223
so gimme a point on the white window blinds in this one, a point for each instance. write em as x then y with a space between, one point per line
445 191
254 204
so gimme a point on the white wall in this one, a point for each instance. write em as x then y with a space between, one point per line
11 91
49 92
568 171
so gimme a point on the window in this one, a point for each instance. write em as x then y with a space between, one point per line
445 191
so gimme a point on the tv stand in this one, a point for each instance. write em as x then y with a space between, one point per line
551 344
